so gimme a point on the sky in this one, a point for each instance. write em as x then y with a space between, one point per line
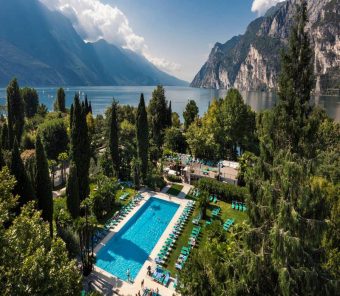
175 35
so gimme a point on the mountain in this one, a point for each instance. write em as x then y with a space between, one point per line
41 48
252 61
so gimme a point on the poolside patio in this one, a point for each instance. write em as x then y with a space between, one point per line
109 284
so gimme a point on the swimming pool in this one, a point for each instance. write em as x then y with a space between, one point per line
131 246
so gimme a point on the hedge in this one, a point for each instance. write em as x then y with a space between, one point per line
225 192
175 179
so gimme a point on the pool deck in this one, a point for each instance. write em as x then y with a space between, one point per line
119 287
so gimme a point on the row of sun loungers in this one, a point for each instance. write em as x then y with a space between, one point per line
128 184
240 206
124 196
161 276
178 228
213 198
195 192
216 212
197 220
185 251
148 292
187 159
119 216
227 224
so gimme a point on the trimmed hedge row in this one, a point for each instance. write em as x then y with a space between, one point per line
225 192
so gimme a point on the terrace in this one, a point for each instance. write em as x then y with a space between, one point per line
192 169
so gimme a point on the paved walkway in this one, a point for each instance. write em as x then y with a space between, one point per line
109 284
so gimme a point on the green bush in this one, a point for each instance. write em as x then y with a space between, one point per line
54 136
103 198
155 181
225 192
173 178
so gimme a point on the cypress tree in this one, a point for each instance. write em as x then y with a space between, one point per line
190 113
87 106
59 104
90 107
142 136
71 116
113 140
43 186
295 86
23 188
158 111
31 101
135 167
169 114
80 147
2 161
15 112
72 192
4 137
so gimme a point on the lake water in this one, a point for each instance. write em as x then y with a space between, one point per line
101 97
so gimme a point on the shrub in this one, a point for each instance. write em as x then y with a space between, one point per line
102 200
173 178
155 181
54 136
225 192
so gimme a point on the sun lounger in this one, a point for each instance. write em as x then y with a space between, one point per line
124 196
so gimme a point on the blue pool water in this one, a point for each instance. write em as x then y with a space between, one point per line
132 245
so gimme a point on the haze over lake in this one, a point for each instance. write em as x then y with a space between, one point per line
101 97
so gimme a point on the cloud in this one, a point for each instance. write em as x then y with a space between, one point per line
94 20
261 6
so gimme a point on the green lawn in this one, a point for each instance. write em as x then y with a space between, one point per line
175 189
226 212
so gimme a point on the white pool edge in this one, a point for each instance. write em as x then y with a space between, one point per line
124 288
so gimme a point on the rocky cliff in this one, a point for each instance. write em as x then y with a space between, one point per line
252 61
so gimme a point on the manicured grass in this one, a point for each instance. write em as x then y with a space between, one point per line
175 189
226 212
181 241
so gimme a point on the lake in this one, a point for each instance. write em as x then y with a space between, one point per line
101 97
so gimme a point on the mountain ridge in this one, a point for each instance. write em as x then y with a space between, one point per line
252 62
40 47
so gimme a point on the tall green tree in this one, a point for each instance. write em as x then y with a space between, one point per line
169 116
63 157
190 113
31 101
235 126
54 136
113 140
31 262
71 115
15 112
72 192
158 110
175 140
290 207
142 136
80 147
23 187
2 161
5 137
293 224
43 186
136 175
59 104
296 82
